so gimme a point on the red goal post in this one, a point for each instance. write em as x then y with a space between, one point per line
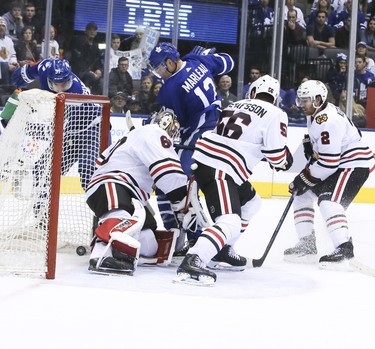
48 153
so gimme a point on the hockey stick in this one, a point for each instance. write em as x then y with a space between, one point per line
188 193
362 268
129 121
256 263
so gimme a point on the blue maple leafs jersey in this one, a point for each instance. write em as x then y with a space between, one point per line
40 71
191 91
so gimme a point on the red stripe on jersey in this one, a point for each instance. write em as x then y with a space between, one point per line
274 159
96 179
341 184
240 167
217 236
322 158
164 167
357 154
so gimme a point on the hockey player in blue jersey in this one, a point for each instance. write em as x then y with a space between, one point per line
54 75
81 124
189 89
81 136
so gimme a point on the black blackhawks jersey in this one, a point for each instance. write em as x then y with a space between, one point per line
247 132
337 142
143 157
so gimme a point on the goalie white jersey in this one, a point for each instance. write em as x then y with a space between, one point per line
337 143
145 156
247 132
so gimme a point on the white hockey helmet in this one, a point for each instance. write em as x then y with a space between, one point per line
266 84
311 89
167 121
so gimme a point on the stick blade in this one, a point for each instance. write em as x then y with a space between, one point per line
361 267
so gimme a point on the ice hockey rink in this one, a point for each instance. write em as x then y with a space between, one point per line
279 305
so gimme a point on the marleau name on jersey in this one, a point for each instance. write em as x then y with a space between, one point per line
194 77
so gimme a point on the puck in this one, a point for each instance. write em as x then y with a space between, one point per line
81 250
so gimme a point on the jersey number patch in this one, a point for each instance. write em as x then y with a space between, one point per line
231 123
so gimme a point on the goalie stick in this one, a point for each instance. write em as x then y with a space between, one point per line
256 263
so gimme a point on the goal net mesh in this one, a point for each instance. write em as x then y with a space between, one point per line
26 163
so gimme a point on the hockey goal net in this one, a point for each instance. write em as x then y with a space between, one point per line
47 156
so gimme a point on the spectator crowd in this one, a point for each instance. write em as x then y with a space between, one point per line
315 46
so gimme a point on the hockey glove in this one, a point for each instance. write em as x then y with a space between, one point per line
303 182
288 163
200 50
307 147
20 79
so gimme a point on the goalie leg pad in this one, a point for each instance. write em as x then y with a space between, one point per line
125 244
131 226
202 219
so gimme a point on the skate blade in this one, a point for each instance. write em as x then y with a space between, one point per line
176 261
184 278
336 266
224 266
302 259
110 272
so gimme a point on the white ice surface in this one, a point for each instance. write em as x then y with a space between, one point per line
279 305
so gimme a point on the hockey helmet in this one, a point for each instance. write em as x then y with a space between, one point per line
167 121
311 89
158 56
266 84
59 76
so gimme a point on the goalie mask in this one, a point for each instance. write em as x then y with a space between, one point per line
60 78
167 121
158 57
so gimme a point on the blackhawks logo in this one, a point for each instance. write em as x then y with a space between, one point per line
321 118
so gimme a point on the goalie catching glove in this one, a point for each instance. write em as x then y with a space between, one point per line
303 182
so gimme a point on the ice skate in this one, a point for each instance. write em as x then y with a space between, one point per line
192 271
111 266
338 259
305 251
179 255
228 259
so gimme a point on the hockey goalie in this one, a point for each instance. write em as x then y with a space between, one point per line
125 176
